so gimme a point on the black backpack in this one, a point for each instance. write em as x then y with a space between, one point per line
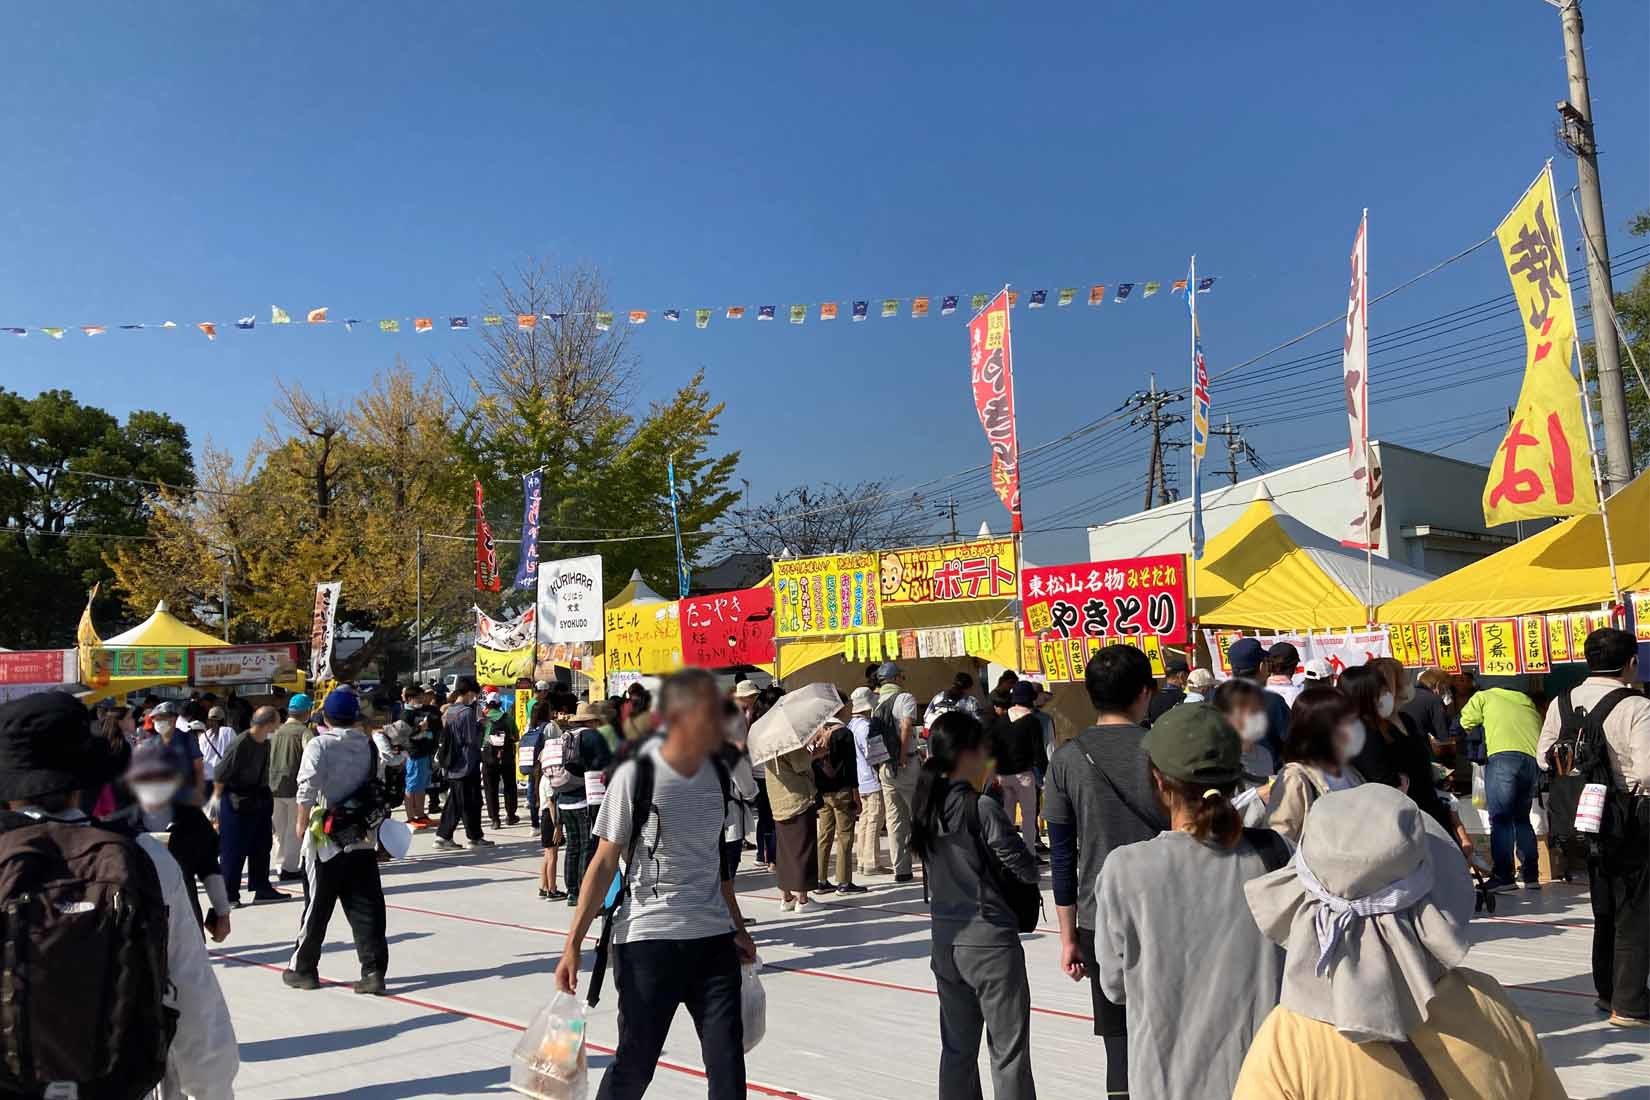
1578 758
1025 899
84 968
886 726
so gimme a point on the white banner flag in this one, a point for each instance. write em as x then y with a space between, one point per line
1366 522
570 600
516 633
1342 649
321 629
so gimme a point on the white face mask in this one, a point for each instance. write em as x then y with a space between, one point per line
164 726
1351 740
1385 705
155 793
1254 727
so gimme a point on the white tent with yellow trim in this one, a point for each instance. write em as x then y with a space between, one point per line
1269 570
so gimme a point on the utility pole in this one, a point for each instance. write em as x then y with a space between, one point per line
1149 405
948 509
1576 129
1235 445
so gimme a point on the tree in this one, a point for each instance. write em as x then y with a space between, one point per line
827 519
72 480
1633 307
559 396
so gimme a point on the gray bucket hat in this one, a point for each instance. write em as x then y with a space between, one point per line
1372 911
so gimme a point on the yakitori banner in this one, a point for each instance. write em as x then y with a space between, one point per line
249 664
516 633
1097 599
644 637
321 628
834 594
570 600
728 629
943 574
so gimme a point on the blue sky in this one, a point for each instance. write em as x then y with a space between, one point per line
188 163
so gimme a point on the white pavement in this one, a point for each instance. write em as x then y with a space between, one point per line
851 1009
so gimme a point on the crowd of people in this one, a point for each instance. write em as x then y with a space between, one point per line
1287 843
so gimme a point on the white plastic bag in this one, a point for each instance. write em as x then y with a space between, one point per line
753 1004
550 1062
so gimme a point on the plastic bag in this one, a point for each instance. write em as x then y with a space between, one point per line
753 1004
551 1062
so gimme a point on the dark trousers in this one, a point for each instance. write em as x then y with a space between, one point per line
1619 880
767 836
577 829
491 778
653 978
244 840
984 988
463 804
1510 781
1111 1021
533 801
350 878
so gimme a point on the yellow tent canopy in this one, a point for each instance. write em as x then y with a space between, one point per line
1270 570
1563 567
164 630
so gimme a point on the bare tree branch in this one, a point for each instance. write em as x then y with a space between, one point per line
825 519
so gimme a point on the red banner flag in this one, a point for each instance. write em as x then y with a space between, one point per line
487 578
728 629
991 368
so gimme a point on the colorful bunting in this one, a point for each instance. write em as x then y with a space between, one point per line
246 322
701 318
1039 298
1206 284
948 305
491 319
735 312
54 333
455 324
526 322
1123 291
133 327
15 331
799 314
1068 294
1152 288
604 320
919 307
890 307
279 316
93 330
861 310
638 316
1178 286
209 328
317 316
673 315
350 323
827 311
423 324
978 301
1097 294
168 324
764 313
1013 298
389 325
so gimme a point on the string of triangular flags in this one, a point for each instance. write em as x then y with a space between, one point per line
858 310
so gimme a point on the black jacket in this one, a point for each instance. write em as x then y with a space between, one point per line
1018 745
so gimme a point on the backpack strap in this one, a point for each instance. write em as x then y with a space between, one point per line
1599 713
641 806
1273 849
1416 1066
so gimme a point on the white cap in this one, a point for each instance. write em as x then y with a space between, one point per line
860 702
491 697
1317 669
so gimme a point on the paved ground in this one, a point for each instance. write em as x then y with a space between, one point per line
851 1010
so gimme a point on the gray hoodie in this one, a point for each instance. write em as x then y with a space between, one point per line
966 905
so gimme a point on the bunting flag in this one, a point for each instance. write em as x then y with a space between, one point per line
764 313
673 315
638 316
991 375
456 324
1123 291
1097 294
1152 288
279 316
701 318
317 316
1200 419
492 319
890 307
423 324
389 325
527 565
168 324
604 320
15 331
246 322
1206 284
487 579
54 332
350 323
799 314
948 305
1068 294
1178 286
1039 298
861 310
526 322
919 307
827 311
209 329
1013 298
978 301
93 330
133 327
735 312
682 578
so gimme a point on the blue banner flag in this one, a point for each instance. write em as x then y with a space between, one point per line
948 305
1039 298
860 309
682 578
527 567
1124 290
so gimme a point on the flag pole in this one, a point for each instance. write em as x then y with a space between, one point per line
1369 465
1598 483
1197 472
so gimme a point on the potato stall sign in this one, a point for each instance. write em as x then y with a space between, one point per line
1127 597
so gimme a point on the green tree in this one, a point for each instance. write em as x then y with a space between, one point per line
1633 307
73 480
560 396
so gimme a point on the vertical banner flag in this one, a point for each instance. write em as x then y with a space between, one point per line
1543 466
1200 420
570 600
321 630
991 370
487 579
527 568
1367 521
682 578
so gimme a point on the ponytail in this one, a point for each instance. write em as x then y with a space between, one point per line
1214 819
952 734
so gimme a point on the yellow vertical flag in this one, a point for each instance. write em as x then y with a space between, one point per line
1543 466
1466 641
1558 638
86 640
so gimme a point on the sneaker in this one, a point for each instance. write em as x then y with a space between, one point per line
1618 1020
852 888
442 844
1530 884
809 906
543 894
1603 1006
497 826
907 877
298 980
572 901
1501 886
371 985
553 895
482 843
787 905
419 824
269 895
825 888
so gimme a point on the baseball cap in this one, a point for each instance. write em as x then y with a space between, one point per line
218 713
888 672
1024 694
1193 743
299 704
167 709
1284 651
1246 653
1317 669
341 705
1175 665
541 685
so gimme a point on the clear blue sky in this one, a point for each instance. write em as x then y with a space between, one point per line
192 162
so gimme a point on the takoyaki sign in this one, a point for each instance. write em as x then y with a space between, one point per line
979 570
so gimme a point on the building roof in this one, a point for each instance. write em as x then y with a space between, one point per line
744 569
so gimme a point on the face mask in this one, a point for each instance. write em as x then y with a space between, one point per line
1352 740
164 726
1449 698
155 793
1385 705
1254 727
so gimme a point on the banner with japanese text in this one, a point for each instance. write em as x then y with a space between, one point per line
487 578
833 594
251 664
527 562
1544 464
1367 519
942 574
991 374
1640 602
506 634
1097 599
644 637
502 667
1341 650
570 600
1498 646
1065 659
728 629
322 627
39 666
